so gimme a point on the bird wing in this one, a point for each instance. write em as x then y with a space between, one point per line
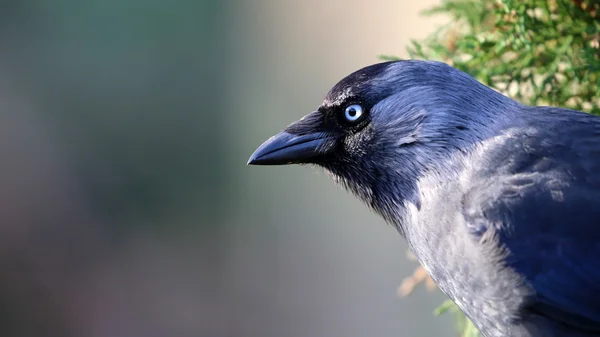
550 227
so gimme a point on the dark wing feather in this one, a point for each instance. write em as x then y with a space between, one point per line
544 204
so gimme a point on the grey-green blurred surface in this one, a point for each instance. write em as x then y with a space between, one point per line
126 207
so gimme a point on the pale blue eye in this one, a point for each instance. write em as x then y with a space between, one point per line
353 112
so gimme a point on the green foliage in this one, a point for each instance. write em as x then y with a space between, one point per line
465 326
540 52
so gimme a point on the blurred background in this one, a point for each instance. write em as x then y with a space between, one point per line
126 206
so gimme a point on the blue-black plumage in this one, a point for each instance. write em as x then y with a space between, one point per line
499 201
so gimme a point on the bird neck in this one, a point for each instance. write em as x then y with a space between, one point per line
384 187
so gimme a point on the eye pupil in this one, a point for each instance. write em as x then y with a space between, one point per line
352 112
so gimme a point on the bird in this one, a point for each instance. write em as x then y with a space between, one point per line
498 200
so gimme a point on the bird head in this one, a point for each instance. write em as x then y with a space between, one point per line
382 127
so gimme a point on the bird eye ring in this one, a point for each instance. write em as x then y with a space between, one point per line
353 112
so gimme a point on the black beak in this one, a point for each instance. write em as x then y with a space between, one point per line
286 148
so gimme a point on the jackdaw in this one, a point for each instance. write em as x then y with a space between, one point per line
499 201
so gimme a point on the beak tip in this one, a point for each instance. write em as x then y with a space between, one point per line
255 157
